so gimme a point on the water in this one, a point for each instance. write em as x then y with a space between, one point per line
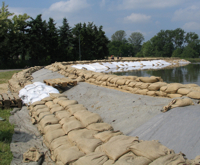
189 74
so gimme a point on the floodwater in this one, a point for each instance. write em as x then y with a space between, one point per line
189 74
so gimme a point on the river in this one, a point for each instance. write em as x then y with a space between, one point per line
189 74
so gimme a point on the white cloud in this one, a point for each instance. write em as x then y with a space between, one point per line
191 13
69 6
135 4
102 3
137 18
191 26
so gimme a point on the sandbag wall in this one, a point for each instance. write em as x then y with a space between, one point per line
152 86
77 136
21 79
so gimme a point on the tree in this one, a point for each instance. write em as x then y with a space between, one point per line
136 38
119 35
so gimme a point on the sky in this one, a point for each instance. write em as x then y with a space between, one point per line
145 16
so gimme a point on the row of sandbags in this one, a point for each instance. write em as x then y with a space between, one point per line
152 86
77 136
21 79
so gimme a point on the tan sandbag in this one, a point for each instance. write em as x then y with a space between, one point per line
184 91
38 103
105 77
126 88
56 95
63 140
195 161
42 115
84 140
163 88
109 162
128 159
60 149
138 85
70 154
65 103
156 86
66 119
147 79
151 93
173 87
121 81
39 107
104 83
150 149
62 114
173 95
172 159
32 155
106 135
111 85
99 77
49 104
178 103
142 91
72 125
161 94
73 110
95 158
37 113
190 85
131 77
114 80
55 106
47 99
194 95
48 120
51 135
118 146
60 98
100 127
52 127
53 110
87 117
144 85
88 75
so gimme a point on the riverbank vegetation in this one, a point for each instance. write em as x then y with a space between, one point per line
27 41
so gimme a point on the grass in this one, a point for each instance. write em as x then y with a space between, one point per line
6 129
5 76
6 132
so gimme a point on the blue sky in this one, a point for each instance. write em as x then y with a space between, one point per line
145 16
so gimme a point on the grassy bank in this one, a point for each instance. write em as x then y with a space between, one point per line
6 129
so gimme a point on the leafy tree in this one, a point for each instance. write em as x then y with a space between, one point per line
136 39
119 35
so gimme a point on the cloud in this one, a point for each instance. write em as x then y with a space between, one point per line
191 13
102 3
191 26
137 18
135 4
69 6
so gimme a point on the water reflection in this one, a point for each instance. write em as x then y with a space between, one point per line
184 74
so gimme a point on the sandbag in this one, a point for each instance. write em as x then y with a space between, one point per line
51 135
84 139
49 104
114 80
52 127
178 103
173 95
70 154
66 119
118 146
87 117
172 88
65 103
39 107
121 81
62 114
151 93
106 135
144 85
37 103
194 95
56 95
75 109
100 127
63 140
39 111
142 91
150 149
47 99
72 125
160 94
130 158
48 120
95 158
147 79
172 159
156 86
184 91
60 98
53 110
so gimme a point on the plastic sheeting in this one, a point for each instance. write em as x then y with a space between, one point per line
123 66
36 92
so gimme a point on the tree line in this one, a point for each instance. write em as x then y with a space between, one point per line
32 41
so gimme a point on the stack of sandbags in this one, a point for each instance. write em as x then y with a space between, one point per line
76 136
21 79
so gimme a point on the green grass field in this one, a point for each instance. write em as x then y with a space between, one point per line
6 129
